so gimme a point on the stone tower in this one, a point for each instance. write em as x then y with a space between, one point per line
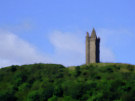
92 48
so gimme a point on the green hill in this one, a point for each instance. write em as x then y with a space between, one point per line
52 82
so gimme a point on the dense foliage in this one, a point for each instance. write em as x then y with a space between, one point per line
51 82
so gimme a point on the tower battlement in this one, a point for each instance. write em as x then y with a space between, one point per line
92 48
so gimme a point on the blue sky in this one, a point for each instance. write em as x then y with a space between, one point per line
53 31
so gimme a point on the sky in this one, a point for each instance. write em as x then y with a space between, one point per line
54 31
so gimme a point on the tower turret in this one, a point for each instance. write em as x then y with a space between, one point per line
93 34
87 48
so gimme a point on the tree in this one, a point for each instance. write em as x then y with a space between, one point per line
7 96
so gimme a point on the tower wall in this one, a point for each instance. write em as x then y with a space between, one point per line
92 50
98 50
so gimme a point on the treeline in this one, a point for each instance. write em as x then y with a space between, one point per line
51 82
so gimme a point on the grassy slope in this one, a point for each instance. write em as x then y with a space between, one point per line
93 82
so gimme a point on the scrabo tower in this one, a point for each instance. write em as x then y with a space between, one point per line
92 48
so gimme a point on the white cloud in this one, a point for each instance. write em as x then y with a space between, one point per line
67 41
117 36
69 48
113 42
15 51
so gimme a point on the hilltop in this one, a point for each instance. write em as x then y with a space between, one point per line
53 82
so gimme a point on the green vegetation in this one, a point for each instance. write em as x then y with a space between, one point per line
51 82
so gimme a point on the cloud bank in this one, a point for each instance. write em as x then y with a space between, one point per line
69 49
15 51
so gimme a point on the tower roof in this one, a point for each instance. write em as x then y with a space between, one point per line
93 34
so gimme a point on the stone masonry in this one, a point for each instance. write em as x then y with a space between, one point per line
92 48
